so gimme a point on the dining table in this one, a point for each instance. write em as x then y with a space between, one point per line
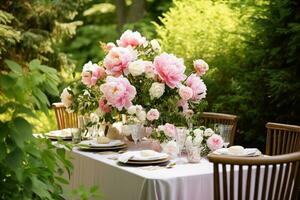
178 181
185 181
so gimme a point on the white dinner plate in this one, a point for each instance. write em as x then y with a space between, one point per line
95 144
60 134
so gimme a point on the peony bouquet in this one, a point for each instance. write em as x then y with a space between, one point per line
137 82
205 139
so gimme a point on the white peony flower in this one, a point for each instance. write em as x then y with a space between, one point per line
197 140
89 67
66 97
198 132
155 45
136 68
141 115
131 110
208 132
157 90
126 130
94 117
138 108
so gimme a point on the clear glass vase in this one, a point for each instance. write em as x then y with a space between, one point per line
193 154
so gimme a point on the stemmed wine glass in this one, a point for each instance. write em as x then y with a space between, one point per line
225 133
136 132
181 134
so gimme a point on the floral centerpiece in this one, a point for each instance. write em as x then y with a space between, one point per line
139 83
205 139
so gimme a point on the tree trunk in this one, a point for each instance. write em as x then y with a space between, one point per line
137 11
121 14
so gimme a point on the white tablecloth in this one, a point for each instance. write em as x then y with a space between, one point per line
183 182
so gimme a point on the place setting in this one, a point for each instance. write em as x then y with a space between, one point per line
101 143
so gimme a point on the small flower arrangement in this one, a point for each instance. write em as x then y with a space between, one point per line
137 79
205 139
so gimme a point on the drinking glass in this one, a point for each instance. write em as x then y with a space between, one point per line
181 134
76 135
225 130
136 132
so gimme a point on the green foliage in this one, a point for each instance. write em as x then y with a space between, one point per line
35 28
31 168
252 48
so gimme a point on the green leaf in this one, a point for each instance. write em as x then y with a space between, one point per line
61 180
41 96
21 132
40 188
34 64
14 158
6 82
15 67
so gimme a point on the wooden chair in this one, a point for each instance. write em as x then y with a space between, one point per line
208 119
63 118
279 172
282 138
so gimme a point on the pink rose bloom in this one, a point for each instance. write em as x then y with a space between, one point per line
117 60
170 69
201 67
152 114
183 103
215 142
103 106
170 130
129 38
118 92
198 87
185 92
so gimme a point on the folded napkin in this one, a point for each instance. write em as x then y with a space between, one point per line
125 157
246 152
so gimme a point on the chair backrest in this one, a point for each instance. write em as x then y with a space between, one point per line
271 178
211 118
63 118
282 138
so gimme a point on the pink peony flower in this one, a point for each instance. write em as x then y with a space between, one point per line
170 69
170 130
103 106
149 70
91 73
183 103
86 78
198 87
129 38
99 73
152 114
117 60
201 67
118 92
215 142
185 92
